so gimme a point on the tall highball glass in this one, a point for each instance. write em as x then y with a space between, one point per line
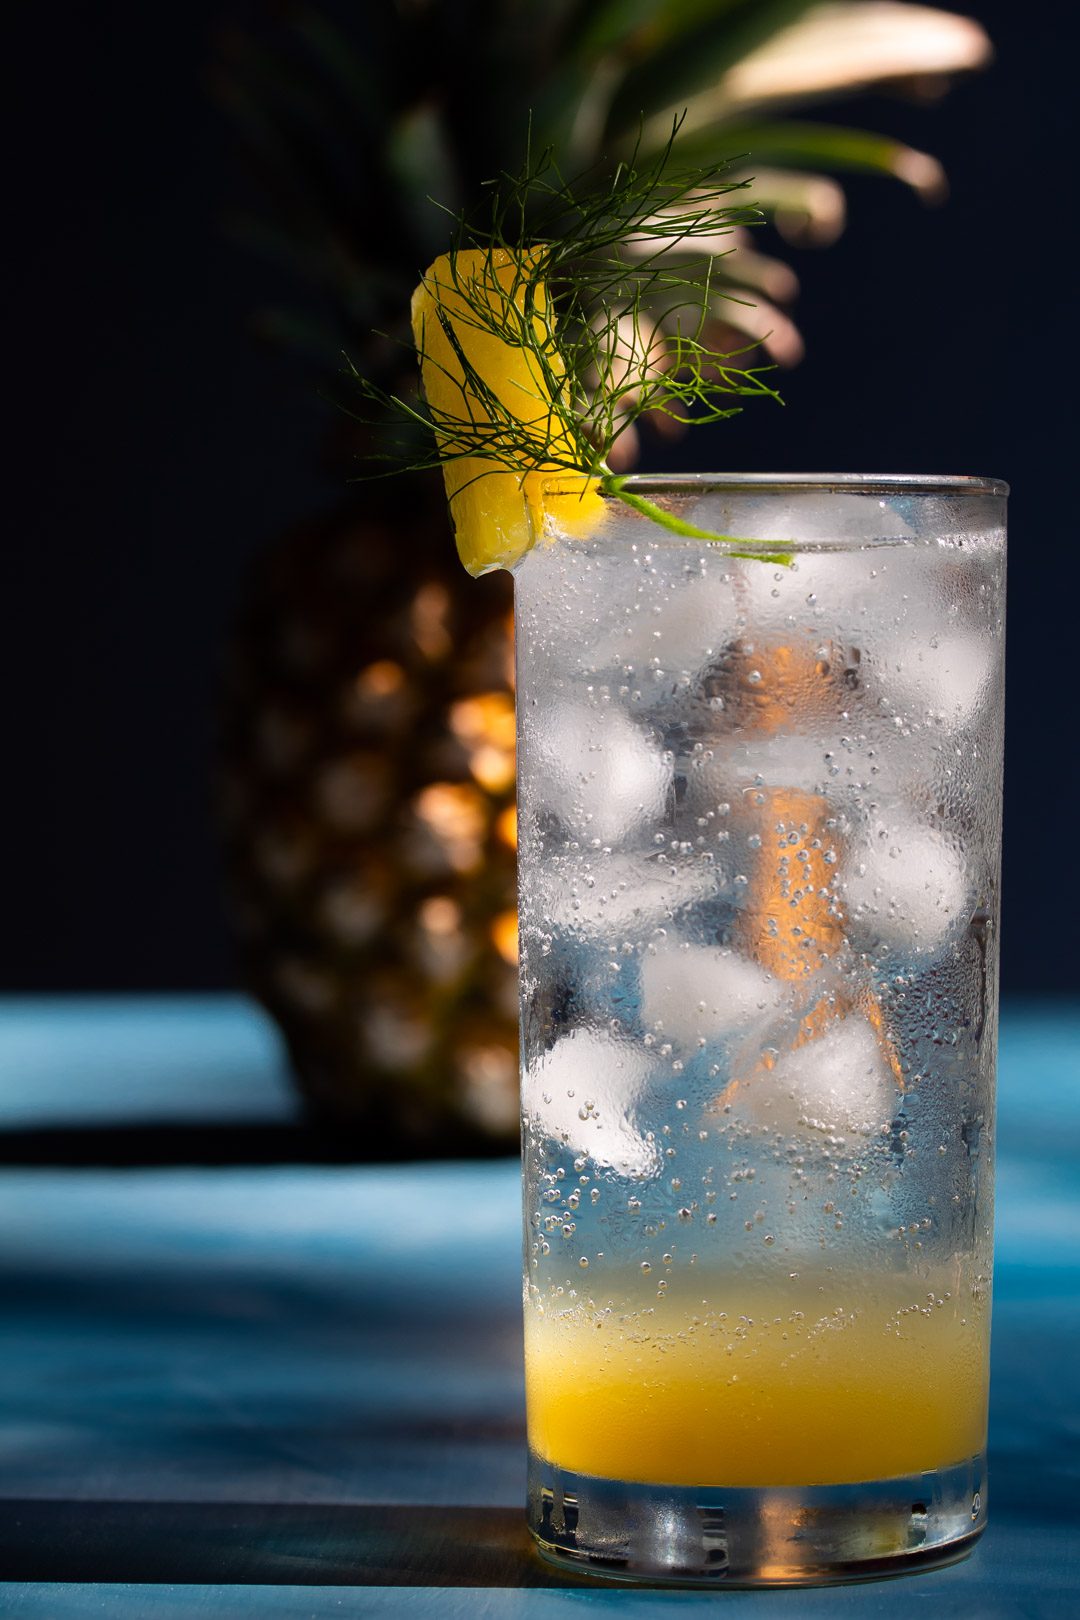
759 825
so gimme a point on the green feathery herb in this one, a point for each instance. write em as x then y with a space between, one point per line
611 296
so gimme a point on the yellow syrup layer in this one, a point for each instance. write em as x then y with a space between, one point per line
497 510
812 1382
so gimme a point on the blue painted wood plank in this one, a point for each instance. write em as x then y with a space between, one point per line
998 1583
130 1060
247 1335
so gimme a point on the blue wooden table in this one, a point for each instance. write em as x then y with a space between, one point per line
295 1390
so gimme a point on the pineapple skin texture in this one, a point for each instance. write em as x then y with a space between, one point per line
497 512
365 798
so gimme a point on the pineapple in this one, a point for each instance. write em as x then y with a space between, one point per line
367 761
367 808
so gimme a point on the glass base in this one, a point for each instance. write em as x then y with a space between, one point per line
767 1536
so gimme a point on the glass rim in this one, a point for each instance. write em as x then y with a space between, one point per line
882 484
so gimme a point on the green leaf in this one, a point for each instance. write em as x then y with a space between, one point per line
697 56
602 41
613 25
420 163
633 29
813 145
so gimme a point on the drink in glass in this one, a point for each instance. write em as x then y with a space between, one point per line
759 836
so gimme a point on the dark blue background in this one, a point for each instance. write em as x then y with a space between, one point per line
161 448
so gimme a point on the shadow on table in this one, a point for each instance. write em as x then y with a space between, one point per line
220 1143
215 1543
223 1543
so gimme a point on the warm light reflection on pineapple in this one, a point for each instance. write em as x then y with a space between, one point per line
504 932
454 815
381 679
485 726
429 621
442 948
506 826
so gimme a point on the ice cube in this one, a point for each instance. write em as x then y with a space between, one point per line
737 765
946 675
701 992
840 1082
835 591
904 886
618 896
806 518
563 595
596 771
632 610
583 1094
674 623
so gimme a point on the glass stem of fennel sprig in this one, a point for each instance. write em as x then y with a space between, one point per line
615 485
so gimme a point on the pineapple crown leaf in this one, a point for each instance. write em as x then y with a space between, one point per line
695 46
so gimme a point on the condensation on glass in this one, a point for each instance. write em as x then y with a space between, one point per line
759 822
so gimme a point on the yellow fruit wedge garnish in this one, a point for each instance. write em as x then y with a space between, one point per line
497 511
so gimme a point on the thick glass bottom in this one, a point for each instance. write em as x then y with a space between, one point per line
768 1536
